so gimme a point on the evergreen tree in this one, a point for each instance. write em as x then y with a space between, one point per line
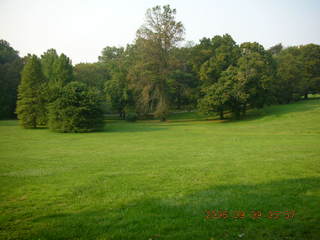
29 106
10 68
77 109
61 75
48 61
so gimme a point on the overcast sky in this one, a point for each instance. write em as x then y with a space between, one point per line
81 28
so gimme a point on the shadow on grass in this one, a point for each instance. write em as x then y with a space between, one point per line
184 217
121 126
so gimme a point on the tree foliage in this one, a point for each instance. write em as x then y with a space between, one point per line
77 109
10 67
247 81
155 75
117 92
93 74
150 74
30 106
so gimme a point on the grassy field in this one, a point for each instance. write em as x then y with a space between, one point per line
151 180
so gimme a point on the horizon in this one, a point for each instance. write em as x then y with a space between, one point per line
69 30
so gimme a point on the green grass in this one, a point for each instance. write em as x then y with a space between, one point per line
151 180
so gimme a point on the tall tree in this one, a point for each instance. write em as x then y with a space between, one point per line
29 105
248 83
184 83
10 67
150 75
310 57
48 61
118 94
257 69
61 75
225 53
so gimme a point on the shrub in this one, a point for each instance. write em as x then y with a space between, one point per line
77 109
131 117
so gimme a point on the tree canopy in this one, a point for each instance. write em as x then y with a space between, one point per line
154 75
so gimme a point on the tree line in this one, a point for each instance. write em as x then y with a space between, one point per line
152 76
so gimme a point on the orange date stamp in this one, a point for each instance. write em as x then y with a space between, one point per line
255 214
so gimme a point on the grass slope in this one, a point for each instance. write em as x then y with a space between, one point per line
151 180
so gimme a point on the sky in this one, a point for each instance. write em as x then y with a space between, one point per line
82 28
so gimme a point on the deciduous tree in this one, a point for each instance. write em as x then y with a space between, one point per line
150 75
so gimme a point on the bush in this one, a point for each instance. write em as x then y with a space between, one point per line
131 117
77 109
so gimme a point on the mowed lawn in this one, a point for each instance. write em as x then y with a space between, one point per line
152 180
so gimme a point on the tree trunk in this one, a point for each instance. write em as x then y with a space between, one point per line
244 110
221 115
236 113
163 119
306 96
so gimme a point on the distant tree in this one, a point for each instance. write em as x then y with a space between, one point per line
29 106
201 53
310 57
10 68
290 75
276 49
249 82
257 69
111 53
77 109
183 82
94 75
229 92
225 53
117 92
150 73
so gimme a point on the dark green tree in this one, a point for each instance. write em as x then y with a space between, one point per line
61 75
290 76
77 109
225 53
117 87
94 75
228 93
310 57
29 105
256 69
183 83
248 83
10 68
